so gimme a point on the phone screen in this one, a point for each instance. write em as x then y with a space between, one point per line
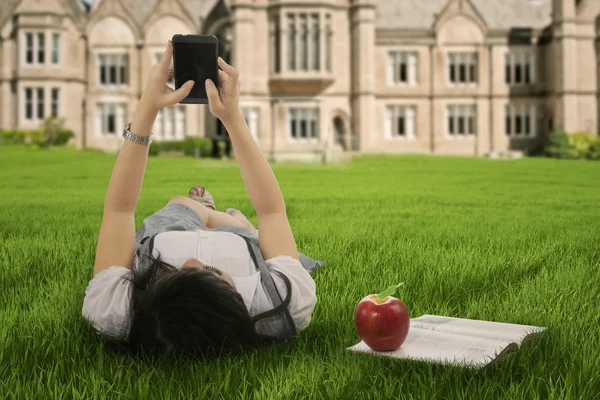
198 62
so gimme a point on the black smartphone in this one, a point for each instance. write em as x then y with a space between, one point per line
195 58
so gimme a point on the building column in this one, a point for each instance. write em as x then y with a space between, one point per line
362 20
565 46
242 39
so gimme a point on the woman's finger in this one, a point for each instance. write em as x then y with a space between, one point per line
222 76
165 62
229 70
212 94
175 96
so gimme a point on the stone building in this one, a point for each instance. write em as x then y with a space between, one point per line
468 77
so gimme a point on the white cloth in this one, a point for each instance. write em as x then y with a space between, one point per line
106 301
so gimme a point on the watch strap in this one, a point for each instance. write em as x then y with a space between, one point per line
144 140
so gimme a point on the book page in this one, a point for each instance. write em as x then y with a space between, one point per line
445 348
483 329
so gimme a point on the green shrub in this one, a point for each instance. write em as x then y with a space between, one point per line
222 146
37 137
193 143
581 143
51 133
63 137
594 150
18 137
154 149
175 145
7 137
558 146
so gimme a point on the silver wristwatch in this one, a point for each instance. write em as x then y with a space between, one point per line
145 140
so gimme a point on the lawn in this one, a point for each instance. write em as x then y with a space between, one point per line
513 241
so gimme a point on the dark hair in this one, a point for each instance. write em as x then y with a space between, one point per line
189 313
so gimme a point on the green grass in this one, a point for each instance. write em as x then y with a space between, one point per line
513 241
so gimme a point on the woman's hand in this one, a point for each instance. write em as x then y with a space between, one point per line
156 93
225 106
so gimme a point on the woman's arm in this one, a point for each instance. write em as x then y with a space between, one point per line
125 184
262 187
276 237
116 239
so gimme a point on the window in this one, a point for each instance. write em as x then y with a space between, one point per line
519 68
35 48
291 42
110 118
40 103
329 35
276 46
520 120
55 48
41 48
462 120
55 102
462 68
400 122
170 81
402 68
304 123
113 69
301 41
251 117
316 42
29 48
34 104
28 104
170 123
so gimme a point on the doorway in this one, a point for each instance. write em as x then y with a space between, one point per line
224 34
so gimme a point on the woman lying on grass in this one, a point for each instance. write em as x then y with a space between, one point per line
197 286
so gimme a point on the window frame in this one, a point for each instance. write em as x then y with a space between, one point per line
293 35
462 61
523 60
465 112
398 58
305 109
121 72
247 112
102 117
409 113
525 112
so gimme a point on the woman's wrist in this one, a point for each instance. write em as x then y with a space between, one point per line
143 118
234 120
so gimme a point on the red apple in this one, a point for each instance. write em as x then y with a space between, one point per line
382 323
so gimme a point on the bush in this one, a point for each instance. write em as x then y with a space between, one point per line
558 146
579 145
222 146
13 137
193 143
594 152
154 149
175 145
51 133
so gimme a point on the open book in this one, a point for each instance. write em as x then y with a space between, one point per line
457 341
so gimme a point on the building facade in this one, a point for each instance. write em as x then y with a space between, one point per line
337 77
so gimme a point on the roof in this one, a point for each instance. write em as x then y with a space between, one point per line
141 9
505 14
7 8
